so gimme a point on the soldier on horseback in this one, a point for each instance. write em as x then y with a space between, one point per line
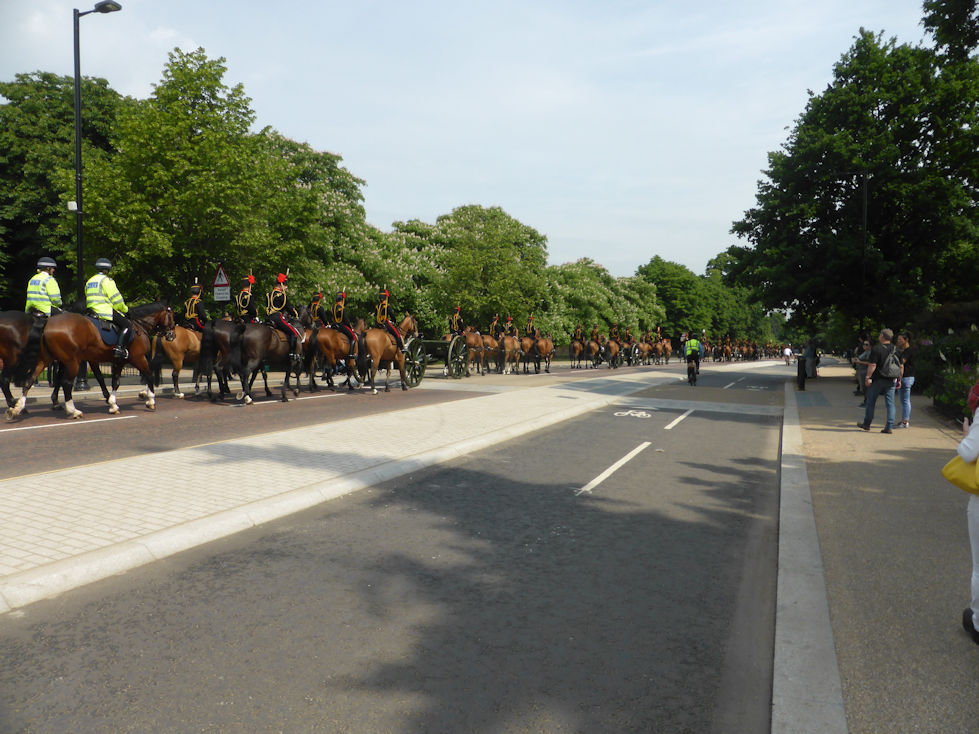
194 314
316 310
456 325
385 323
613 333
594 336
579 334
247 308
340 321
43 294
510 329
279 307
495 329
103 298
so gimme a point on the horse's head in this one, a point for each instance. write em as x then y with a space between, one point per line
409 325
305 317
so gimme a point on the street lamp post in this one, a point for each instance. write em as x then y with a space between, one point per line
105 6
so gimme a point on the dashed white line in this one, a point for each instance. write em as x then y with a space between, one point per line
611 470
667 428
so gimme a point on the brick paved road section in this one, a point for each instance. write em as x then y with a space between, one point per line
67 528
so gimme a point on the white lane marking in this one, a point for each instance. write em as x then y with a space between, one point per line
83 422
730 384
291 400
667 428
611 470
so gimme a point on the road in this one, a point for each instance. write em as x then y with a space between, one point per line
616 573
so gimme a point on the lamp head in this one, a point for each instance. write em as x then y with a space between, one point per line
107 6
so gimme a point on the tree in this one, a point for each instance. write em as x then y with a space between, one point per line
954 24
37 136
898 122
681 294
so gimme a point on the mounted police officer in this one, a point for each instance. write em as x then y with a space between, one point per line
103 298
456 324
385 323
340 321
43 293
195 317
247 308
279 307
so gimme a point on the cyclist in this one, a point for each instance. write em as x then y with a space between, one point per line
691 351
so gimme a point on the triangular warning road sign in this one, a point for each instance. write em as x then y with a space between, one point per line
221 278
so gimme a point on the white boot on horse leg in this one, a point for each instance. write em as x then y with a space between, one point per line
74 412
111 400
151 400
17 408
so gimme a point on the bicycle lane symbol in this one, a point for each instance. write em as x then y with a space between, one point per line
633 413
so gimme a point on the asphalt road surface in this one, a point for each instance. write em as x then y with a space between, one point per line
616 573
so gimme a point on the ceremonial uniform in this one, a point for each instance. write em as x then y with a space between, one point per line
103 299
510 329
595 335
456 324
579 334
385 323
279 307
247 308
316 310
341 322
613 333
43 293
495 330
194 314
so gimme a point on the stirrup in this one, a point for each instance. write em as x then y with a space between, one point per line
120 352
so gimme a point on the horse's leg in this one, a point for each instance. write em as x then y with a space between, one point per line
56 379
177 365
7 395
69 370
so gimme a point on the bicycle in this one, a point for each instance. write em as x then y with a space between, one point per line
692 371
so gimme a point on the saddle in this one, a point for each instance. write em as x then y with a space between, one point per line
107 330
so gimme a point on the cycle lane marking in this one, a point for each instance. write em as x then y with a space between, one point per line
612 469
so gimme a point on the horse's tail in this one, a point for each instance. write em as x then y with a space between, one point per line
236 347
24 369
208 350
311 350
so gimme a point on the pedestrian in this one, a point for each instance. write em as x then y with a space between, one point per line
968 449
883 373
907 353
861 362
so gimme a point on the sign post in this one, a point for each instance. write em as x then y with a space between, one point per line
222 286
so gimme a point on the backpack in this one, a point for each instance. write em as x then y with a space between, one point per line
891 368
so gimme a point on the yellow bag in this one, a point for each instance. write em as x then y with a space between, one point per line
962 475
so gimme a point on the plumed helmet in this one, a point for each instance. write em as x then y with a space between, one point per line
458 309
245 282
280 278
384 294
102 264
195 289
341 295
318 296
46 262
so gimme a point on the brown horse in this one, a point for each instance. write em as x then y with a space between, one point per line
71 338
576 351
612 354
510 347
474 345
333 346
20 348
545 350
491 346
215 357
184 348
594 352
377 349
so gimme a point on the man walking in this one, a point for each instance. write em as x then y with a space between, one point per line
883 376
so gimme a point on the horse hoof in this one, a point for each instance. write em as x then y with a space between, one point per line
76 415
143 395
178 395
404 388
151 406
240 395
113 409
374 391
248 400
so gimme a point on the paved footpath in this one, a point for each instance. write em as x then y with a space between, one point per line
56 537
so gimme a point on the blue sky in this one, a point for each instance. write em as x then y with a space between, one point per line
619 130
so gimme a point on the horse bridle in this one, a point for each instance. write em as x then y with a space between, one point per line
165 328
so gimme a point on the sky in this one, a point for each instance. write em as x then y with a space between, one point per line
620 130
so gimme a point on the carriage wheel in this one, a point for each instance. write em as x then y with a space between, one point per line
457 357
415 362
